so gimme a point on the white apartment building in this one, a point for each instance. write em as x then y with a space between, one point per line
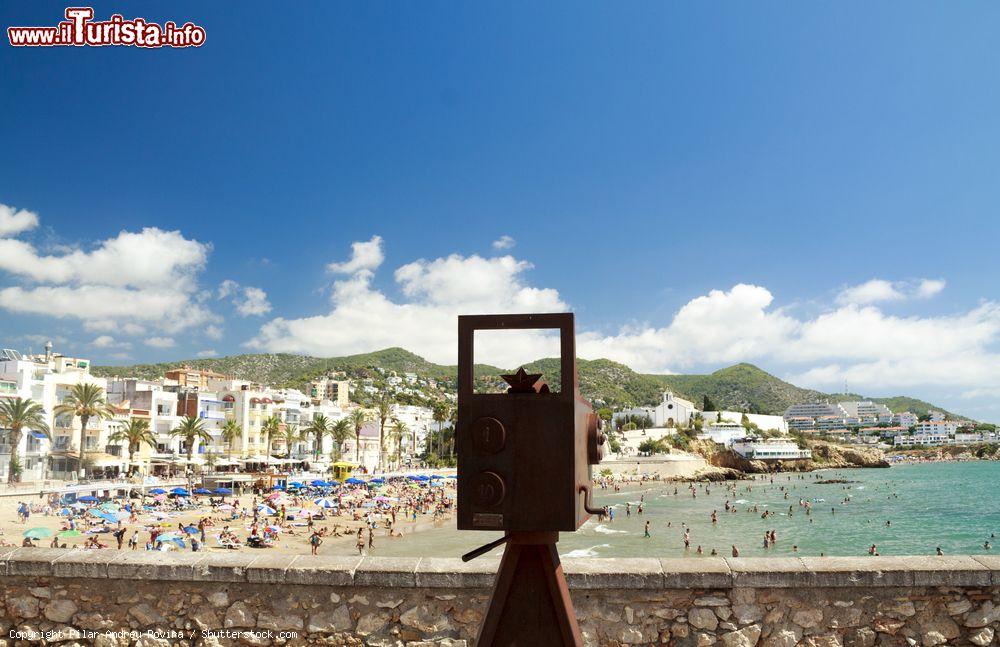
763 422
866 412
724 432
772 449
814 410
941 427
904 419
46 379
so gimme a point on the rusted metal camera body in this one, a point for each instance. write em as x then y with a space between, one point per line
524 456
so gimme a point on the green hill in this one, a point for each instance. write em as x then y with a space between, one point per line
742 387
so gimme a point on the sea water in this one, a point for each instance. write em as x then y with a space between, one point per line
951 505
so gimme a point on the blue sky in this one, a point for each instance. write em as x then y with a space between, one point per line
701 183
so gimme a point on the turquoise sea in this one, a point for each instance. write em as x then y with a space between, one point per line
951 505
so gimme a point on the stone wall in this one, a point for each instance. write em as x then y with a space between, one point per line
120 598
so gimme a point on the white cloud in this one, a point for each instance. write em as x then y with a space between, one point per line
160 342
207 353
152 257
227 288
880 290
127 285
363 318
103 341
870 292
14 221
106 309
930 287
248 301
504 242
364 256
213 332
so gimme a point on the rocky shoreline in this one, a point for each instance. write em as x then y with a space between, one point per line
727 465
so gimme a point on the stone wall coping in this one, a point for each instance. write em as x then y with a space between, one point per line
436 572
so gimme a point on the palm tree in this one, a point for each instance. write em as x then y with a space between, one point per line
341 431
440 414
16 415
289 435
319 426
397 433
231 430
270 428
86 401
134 434
383 409
358 419
191 430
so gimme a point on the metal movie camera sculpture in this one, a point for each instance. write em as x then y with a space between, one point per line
524 468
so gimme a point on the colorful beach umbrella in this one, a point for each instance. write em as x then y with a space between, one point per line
38 533
191 530
202 490
157 490
266 510
318 483
323 502
223 490
88 499
354 481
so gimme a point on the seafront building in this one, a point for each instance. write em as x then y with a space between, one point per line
214 398
771 449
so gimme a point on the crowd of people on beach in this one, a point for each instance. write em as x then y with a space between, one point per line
306 512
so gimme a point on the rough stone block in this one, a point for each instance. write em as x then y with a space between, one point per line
857 571
948 570
387 571
33 562
991 562
153 565
83 564
635 573
438 572
775 572
322 570
700 573
269 569
224 567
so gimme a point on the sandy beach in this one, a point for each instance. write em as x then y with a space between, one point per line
388 512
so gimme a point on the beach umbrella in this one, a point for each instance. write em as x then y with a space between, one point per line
94 512
223 490
191 530
157 490
167 536
303 514
325 503
453 476
88 499
278 486
179 491
274 529
177 541
182 493
202 490
354 481
65 512
332 482
109 507
378 479
274 495
70 533
294 484
266 510
38 533
318 483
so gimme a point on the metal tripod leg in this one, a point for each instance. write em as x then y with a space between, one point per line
530 605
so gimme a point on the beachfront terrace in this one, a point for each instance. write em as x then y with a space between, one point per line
433 601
